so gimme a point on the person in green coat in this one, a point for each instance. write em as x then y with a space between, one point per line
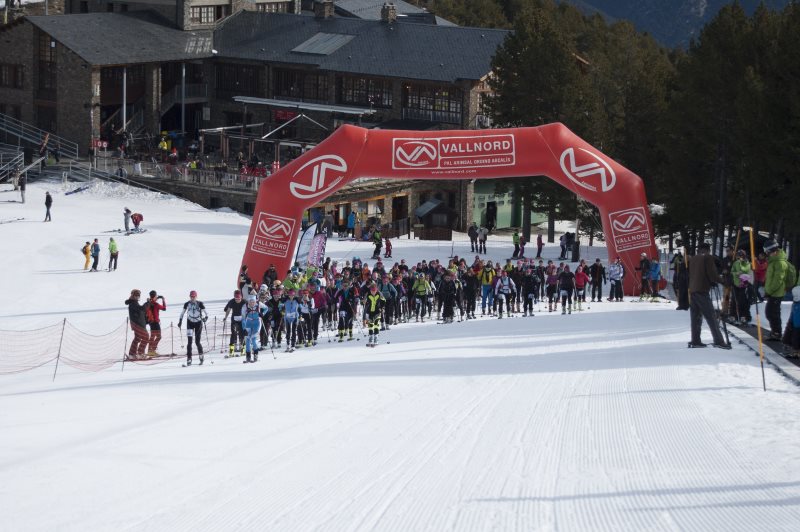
515 240
113 253
742 277
775 287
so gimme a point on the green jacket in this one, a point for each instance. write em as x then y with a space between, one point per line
112 246
515 238
739 267
775 284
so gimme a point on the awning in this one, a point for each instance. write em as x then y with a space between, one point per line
306 106
427 207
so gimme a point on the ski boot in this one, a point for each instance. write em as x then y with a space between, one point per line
201 359
247 358
255 356
563 309
188 361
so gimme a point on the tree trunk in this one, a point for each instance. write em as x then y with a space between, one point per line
670 241
551 222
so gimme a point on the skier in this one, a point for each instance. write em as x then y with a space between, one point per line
152 308
472 232
487 282
347 299
551 280
515 241
319 306
234 308
421 290
597 276
274 307
471 288
389 293
530 291
377 240
196 316
373 308
137 219
388 253
616 272
566 284
138 322
581 278
504 289
702 277
250 320
447 295
304 323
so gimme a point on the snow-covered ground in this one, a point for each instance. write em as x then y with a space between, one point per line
601 420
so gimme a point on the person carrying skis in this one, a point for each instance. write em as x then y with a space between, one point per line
566 286
373 308
702 277
250 322
597 276
234 309
196 316
504 290
152 308
138 322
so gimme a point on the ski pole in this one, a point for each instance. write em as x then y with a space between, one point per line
719 314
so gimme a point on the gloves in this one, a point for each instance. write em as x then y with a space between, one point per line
205 319
179 323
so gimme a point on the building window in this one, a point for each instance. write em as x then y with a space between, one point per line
437 104
315 87
365 92
110 7
238 80
11 76
84 8
286 83
47 67
208 14
123 8
273 7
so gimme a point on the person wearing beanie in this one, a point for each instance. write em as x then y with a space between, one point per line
138 322
703 276
775 287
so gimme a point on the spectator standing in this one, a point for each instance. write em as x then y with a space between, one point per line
515 241
539 245
48 202
351 224
22 181
702 277
113 253
775 286
136 317
472 232
95 254
483 234
127 213
87 253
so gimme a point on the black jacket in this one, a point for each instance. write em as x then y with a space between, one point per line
136 313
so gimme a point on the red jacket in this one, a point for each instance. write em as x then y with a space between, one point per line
761 271
581 279
152 309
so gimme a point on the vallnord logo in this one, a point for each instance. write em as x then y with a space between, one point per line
577 173
416 153
274 228
628 222
321 166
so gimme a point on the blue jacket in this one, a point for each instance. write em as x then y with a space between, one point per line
655 271
351 220
251 321
95 250
291 309
796 314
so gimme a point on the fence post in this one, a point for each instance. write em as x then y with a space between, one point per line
60 343
171 339
125 345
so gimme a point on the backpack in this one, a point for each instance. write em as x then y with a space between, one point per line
149 315
791 276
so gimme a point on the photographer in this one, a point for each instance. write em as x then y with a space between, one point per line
152 308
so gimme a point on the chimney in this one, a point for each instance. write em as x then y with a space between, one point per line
388 13
323 8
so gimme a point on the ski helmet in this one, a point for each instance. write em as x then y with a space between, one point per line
153 293
193 293
770 246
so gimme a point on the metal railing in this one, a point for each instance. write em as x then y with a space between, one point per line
448 117
29 133
9 163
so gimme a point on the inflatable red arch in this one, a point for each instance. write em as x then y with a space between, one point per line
352 152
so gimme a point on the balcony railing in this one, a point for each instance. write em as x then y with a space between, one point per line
448 117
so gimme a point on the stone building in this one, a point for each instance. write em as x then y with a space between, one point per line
188 65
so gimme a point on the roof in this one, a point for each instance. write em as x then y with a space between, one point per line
371 10
124 38
426 208
399 50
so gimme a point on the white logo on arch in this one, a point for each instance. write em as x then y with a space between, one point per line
321 166
578 168
416 153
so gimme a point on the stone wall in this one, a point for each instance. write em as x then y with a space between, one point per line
16 48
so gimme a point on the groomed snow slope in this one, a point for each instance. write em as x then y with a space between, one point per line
597 421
